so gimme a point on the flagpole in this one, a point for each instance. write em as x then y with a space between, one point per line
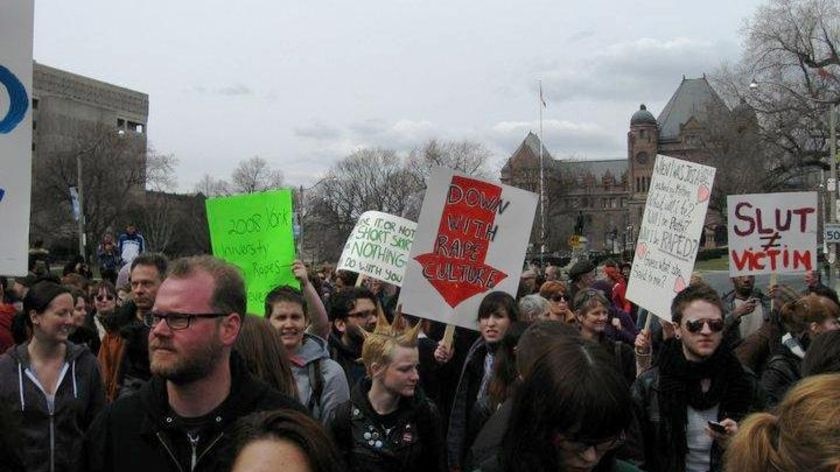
542 185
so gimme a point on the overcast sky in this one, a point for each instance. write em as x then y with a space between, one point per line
304 83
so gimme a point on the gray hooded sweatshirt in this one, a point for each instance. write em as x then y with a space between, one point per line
335 389
52 427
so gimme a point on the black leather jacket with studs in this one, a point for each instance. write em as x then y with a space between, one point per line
411 439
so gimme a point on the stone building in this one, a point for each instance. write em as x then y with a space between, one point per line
79 117
608 196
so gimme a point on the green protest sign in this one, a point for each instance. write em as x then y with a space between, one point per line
254 232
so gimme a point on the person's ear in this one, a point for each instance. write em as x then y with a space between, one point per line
229 328
377 369
33 317
813 328
341 326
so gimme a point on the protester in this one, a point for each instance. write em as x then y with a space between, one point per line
619 287
260 347
7 315
10 441
697 380
570 413
558 297
803 319
353 311
180 419
147 273
505 376
321 382
582 276
813 282
802 434
534 307
52 384
550 273
81 333
284 440
823 356
621 326
130 245
537 338
108 259
746 307
495 314
388 425
344 279
39 258
108 322
592 312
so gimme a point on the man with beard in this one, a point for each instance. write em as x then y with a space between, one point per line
352 310
690 404
746 307
179 419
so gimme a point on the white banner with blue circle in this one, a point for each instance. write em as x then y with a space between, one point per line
16 17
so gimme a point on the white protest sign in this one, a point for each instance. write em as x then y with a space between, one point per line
772 232
15 133
670 233
471 239
378 247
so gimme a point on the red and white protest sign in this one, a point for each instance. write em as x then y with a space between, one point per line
772 233
471 239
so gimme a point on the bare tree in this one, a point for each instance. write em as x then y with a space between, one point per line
789 77
160 171
464 156
210 187
255 175
113 176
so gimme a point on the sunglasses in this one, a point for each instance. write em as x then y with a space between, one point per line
695 326
560 297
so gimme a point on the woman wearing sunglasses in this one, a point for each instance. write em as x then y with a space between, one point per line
558 298
582 424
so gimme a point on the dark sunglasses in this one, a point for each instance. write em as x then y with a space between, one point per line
560 297
695 326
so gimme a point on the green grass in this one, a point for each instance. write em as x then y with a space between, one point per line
721 263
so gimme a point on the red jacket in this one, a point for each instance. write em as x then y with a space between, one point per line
7 314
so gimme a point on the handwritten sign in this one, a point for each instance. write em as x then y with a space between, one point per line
669 236
254 232
772 232
378 247
15 133
471 240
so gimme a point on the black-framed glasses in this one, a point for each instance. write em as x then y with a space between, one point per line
102 298
560 297
176 321
363 314
579 446
695 326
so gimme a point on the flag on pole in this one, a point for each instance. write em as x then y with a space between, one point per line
542 99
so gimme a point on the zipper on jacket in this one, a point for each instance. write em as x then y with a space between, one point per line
209 446
52 440
193 445
168 450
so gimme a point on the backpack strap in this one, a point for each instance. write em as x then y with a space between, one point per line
316 382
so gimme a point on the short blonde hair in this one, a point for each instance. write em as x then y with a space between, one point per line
379 345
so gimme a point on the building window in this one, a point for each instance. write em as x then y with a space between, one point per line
643 133
120 123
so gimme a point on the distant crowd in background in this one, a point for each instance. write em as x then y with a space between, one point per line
142 363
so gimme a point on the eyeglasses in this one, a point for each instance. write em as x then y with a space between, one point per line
560 297
695 326
363 314
581 446
176 321
102 298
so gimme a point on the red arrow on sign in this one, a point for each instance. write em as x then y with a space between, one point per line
456 267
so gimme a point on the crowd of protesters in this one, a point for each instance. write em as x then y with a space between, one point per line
156 365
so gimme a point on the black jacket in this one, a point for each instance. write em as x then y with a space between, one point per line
52 440
782 371
657 435
414 444
349 358
140 433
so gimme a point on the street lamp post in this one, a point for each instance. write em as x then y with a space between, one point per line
81 197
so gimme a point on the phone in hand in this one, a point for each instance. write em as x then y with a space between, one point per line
717 427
